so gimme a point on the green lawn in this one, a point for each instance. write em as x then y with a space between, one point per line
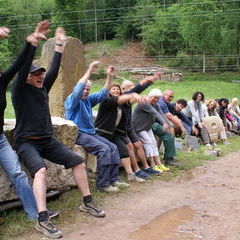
213 85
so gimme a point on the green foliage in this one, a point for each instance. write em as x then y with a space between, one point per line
5 54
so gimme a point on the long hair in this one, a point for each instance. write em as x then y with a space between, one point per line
194 96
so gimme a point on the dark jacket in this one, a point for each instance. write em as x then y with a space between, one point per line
31 103
6 77
107 115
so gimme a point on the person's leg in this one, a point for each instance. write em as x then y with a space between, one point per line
168 142
149 151
115 158
98 148
133 159
138 147
29 153
58 153
187 127
10 163
205 135
125 160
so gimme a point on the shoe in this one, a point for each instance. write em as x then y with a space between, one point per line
226 142
142 174
108 189
164 168
133 177
48 229
150 171
53 213
209 146
156 168
120 183
171 162
92 208
214 144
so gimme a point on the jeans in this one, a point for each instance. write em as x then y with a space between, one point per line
108 159
9 162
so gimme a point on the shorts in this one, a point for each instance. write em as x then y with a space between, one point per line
133 136
32 151
119 141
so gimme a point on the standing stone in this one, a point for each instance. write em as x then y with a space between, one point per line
73 66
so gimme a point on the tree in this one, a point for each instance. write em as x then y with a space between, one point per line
200 27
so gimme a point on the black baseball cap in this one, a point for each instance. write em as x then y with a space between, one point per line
34 68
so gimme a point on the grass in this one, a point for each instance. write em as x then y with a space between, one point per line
213 85
16 223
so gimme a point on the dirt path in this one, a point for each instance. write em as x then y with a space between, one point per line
202 205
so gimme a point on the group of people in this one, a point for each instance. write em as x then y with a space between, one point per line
118 135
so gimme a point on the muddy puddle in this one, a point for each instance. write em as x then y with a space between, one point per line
164 227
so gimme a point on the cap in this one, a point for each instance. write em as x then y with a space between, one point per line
34 68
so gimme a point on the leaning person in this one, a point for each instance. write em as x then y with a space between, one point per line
33 134
133 143
8 158
78 107
144 118
111 123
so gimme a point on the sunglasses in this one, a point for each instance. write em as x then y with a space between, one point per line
36 74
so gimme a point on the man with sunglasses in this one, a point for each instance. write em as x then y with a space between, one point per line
33 133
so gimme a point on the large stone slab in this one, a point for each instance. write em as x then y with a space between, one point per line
73 66
59 178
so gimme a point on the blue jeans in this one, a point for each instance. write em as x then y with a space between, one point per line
9 162
108 159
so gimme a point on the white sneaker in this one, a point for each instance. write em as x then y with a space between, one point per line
109 188
133 177
120 183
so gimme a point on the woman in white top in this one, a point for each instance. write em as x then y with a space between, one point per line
194 111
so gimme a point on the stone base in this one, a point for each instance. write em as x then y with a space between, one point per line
58 178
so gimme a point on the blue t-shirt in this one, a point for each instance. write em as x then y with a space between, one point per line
80 110
164 106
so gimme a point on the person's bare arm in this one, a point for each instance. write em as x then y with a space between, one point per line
110 75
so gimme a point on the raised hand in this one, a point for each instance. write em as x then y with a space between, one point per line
41 30
60 36
4 32
111 71
94 66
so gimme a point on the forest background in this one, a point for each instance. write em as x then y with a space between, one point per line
192 35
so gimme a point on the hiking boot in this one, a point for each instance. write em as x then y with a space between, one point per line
48 229
150 171
108 189
171 162
120 183
142 174
92 208
133 177
164 168
53 213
